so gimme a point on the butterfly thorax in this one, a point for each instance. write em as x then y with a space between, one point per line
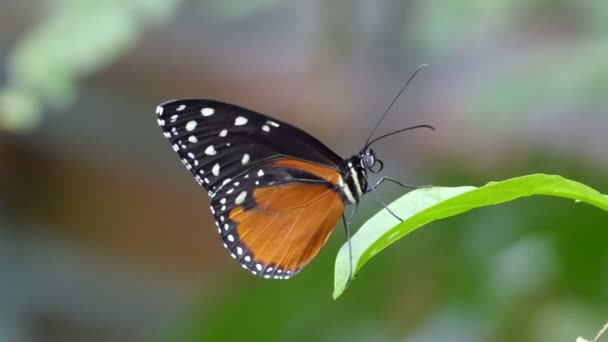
355 184
355 174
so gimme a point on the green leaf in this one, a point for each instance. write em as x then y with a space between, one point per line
425 205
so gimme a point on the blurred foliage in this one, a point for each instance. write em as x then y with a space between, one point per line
439 26
569 78
65 46
570 81
239 9
74 39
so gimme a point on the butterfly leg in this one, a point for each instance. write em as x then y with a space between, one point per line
403 185
373 189
350 249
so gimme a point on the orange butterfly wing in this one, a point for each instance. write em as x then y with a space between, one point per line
289 223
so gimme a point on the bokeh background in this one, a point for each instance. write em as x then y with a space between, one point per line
105 237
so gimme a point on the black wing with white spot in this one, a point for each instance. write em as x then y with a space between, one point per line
217 140
234 152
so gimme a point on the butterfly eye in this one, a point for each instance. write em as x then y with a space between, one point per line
368 159
373 153
377 166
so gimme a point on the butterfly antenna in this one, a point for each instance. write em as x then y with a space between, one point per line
396 132
394 101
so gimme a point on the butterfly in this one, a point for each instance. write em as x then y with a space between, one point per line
277 193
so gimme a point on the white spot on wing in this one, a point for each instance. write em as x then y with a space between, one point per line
210 150
258 267
216 169
191 125
260 173
230 237
245 159
272 123
240 198
207 111
192 139
224 133
159 110
265 128
180 108
240 121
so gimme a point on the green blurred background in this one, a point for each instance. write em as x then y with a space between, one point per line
105 237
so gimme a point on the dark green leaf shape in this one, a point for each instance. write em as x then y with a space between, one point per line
426 205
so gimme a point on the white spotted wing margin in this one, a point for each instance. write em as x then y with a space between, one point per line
230 151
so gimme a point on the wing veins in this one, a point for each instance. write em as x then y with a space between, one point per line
288 255
284 237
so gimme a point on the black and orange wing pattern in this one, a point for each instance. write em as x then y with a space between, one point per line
274 189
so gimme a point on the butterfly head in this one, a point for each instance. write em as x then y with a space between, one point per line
355 173
369 160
